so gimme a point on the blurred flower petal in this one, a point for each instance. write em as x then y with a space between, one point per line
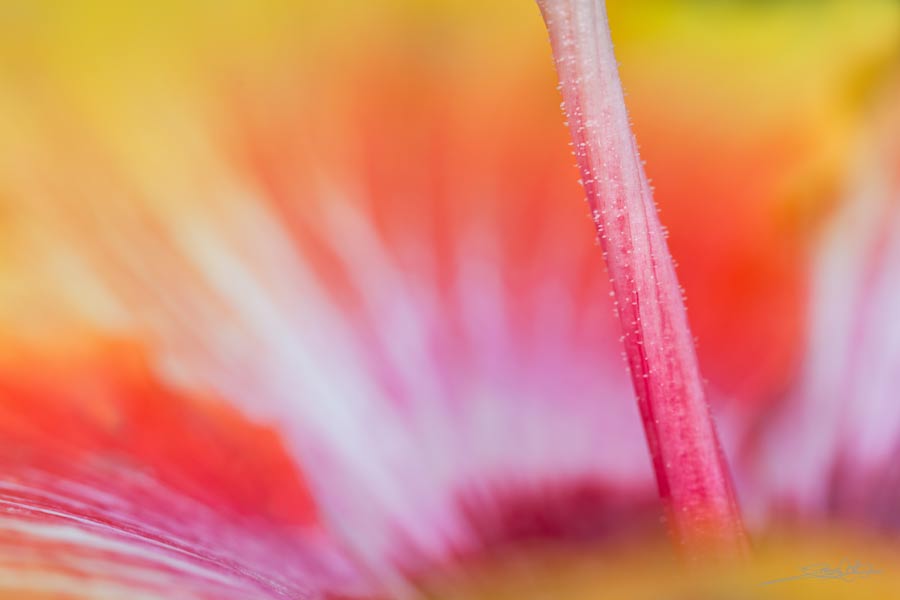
443 367
116 485
832 451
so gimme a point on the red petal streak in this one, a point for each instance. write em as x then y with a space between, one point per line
110 479
693 479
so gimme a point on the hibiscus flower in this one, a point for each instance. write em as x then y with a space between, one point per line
299 301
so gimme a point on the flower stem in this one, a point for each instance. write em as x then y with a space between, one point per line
693 478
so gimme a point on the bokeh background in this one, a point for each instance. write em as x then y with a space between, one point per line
304 295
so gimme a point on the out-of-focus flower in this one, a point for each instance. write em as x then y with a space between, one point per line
298 299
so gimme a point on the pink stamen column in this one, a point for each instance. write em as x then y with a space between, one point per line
691 472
